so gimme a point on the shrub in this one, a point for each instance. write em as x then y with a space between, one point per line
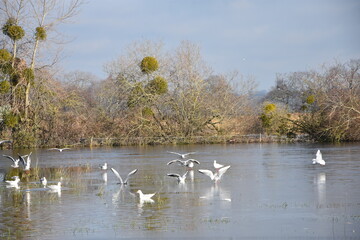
149 65
157 86
4 87
40 34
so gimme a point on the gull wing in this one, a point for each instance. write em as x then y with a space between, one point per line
207 173
223 170
28 162
53 149
194 160
173 175
130 173
22 160
185 154
184 176
318 156
175 153
117 175
10 157
172 161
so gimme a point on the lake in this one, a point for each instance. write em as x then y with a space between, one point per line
271 191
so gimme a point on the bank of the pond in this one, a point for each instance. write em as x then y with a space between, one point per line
229 139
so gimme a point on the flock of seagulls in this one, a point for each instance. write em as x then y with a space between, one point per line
215 175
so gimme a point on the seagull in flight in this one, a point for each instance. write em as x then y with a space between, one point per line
27 162
104 166
318 158
145 197
43 181
187 163
127 178
56 187
15 161
13 183
181 179
59 149
182 155
214 176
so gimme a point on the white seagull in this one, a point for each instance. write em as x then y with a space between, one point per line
318 158
15 161
59 149
127 178
27 162
145 197
43 181
104 166
214 176
182 155
13 183
181 179
56 187
187 163
217 166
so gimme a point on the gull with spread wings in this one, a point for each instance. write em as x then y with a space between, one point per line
127 178
214 176
182 155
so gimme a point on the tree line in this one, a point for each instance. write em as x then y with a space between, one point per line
151 92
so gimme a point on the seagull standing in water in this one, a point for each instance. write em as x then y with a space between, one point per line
13 183
181 179
182 155
187 163
217 166
145 197
43 181
104 166
15 161
59 149
214 176
56 187
127 178
318 158
26 162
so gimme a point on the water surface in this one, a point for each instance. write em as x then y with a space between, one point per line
270 191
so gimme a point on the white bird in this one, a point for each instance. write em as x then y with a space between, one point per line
214 176
318 158
127 178
59 149
15 161
13 183
217 166
104 166
27 162
187 163
43 181
182 155
145 197
56 187
181 179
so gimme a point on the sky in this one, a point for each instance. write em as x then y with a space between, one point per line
256 38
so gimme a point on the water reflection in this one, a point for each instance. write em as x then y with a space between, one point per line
216 193
320 182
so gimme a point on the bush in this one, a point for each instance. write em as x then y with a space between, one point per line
5 56
157 86
149 65
40 34
4 87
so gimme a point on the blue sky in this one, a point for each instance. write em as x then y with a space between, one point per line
255 38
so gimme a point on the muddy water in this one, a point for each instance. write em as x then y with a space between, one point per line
270 191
